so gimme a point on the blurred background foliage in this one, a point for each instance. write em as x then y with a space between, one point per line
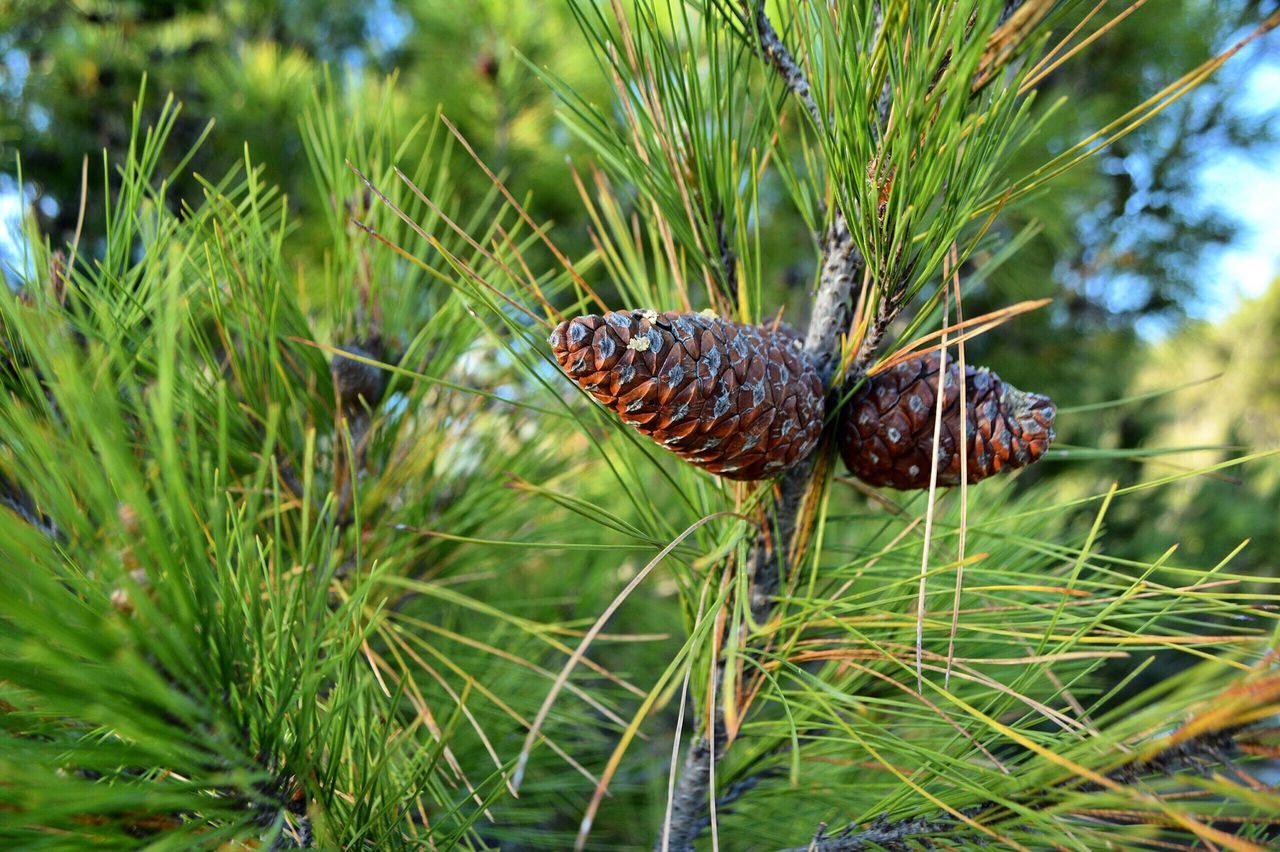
1123 243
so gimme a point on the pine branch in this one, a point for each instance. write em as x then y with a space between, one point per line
728 258
689 804
1010 6
882 834
885 314
842 263
17 500
736 791
776 54
842 268
1018 20
1196 754
29 516
302 837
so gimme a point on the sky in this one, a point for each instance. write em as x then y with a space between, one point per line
12 241
1248 188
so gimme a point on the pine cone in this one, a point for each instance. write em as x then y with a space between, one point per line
359 383
738 400
886 432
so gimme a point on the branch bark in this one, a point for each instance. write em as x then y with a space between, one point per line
728 258
1198 754
15 498
776 54
882 834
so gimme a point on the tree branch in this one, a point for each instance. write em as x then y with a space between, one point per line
842 267
1010 6
736 791
728 258
882 834
1197 754
885 313
777 55
689 804
17 500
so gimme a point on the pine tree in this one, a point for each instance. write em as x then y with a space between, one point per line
330 555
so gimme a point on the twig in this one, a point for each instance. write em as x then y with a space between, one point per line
1010 7
689 804
1197 754
736 791
31 517
882 834
886 311
842 266
1017 22
301 837
777 55
728 257
289 477
16 498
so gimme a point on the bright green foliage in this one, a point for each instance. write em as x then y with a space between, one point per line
196 645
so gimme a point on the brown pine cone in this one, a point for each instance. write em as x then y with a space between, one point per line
359 383
738 400
886 429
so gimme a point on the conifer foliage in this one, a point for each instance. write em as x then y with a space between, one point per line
320 549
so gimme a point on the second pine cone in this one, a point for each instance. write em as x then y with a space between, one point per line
886 432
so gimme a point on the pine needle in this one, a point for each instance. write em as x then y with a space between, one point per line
580 651
940 392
